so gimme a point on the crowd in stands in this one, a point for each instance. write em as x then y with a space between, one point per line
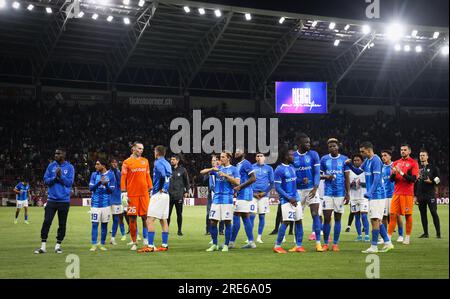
30 131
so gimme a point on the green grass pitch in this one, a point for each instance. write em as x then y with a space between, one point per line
424 258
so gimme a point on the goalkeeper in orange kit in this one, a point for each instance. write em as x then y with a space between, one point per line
136 185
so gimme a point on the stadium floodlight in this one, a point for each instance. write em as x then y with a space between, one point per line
371 45
332 25
418 49
337 42
398 47
248 16
436 35
109 18
407 48
141 3
366 29
16 5
314 24
347 27
281 20
48 10
30 7
2 3
218 13
126 2
80 14
95 16
201 11
126 21
444 50
187 9
414 33
395 32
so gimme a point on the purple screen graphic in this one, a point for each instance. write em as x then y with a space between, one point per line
301 97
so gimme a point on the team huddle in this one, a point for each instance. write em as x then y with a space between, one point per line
378 190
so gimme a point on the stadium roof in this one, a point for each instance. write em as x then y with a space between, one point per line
166 49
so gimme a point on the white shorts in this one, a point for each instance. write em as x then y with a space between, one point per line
221 212
262 205
159 206
102 215
333 203
117 209
254 206
387 206
376 208
359 205
21 203
243 206
304 196
291 213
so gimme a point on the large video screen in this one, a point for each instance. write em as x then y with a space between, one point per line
301 97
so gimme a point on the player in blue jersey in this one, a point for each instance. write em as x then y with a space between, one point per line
261 189
285 180
22 190
244 200
226 176
116 206
337 189
102 184
307 168
159 201
376 194
386 157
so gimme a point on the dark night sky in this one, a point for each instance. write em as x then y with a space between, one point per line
417 12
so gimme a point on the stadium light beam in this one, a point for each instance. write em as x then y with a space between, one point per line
218 13
332 25
414 33
48 10
436 35
398 47
281 20
126 21
95 16
347 27
80 14
366 29
314 24
248 16
30 7
16 5
418 49
2 3
395 32
337 42
187 9
141 3
444 50
201 11
407 48
109 18
126 2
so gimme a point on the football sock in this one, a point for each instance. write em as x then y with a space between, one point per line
122 229
299 234
326 232
104 232
317 226
236 227
375 233
281 233
151 239
214 233
248 229
384 234
409 224
392 223
227 233
94 233
165 239
133 229
400 231
358 224
261 224
365 221
337 231
115 225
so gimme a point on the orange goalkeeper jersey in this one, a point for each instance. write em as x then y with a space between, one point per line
136 176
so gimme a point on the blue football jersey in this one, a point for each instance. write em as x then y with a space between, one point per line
371 167
388 185
162 171
264 178
307 168
285 180
334 166
116 195
223 189
245 168
24 188
101 194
